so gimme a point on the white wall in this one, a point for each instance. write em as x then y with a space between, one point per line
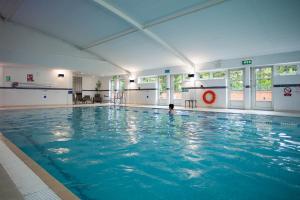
89 85
142 94
281 102
43 78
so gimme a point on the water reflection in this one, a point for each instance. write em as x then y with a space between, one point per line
59 150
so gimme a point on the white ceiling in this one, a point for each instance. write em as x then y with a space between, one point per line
230 29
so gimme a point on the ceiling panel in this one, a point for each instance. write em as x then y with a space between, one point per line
103 69
148 10
234 29
80 22
136 52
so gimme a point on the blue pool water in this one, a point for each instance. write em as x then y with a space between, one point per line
134 153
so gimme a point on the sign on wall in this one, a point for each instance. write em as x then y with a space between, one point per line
167 71
246 62
7 78
30 78
287 91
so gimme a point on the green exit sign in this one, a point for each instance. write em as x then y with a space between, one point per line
247 62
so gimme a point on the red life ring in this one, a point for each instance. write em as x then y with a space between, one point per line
213 97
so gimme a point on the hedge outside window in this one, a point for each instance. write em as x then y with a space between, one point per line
177 81
218 75
148 79
163 93
122 84
283 70
204 75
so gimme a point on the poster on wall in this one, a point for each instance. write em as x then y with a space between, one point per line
30 78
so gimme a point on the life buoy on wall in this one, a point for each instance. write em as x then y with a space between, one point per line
212 94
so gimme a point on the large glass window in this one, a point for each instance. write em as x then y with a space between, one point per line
122 84
218 75
236 81
283 70
148 79
204 75
177 81
163 93
212 75
263 84
112 88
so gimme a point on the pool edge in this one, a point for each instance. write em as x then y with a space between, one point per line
202 109
58 188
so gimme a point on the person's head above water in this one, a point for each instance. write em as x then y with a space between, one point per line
171 106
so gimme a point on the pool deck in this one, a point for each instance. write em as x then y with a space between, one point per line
222 110
8 190
25 178
22 178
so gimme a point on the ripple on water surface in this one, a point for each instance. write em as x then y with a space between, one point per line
134 153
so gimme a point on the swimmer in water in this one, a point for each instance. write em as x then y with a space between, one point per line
171 108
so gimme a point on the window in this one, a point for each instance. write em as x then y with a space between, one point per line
283 70
163 93
263 84
148 79
122 84
204 75
236 80
218 75
263 78
178 79
112 88
112 85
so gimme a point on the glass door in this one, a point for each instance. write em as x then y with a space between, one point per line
236 88
163 90
262 88
112 89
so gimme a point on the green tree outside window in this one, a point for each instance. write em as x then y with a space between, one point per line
178 79
122 84
204 75
287 70
220 74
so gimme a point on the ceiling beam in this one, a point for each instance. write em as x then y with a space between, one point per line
187 11
110 38
161 20
148 33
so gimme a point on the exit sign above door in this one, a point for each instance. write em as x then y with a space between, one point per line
247 62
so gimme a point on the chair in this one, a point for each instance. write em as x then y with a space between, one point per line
87 99
79 98
97 98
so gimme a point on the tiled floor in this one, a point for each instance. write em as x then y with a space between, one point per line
8 189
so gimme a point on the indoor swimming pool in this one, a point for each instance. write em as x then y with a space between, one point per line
145 153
